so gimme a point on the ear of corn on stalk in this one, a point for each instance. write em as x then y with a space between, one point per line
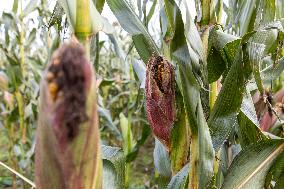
68 146
160 97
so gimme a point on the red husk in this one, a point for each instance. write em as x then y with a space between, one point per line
68 148
160 97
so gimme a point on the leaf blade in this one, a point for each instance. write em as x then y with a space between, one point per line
252 162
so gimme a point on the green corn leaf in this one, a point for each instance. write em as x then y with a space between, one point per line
201 149
128 141
267 34
252 164
180 142
99 5
130 22
152 10
272 72
179 180
113 167
107 115
205 150
191 33
140 70
269 11
146 131
222 50
15 6
249 133
228 103
161 160
248 108
32 6
276 172
170 12
255 53
247 16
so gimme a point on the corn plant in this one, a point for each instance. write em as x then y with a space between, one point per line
208 88
218 70
68 121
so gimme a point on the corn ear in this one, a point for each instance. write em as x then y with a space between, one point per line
68 154
160 97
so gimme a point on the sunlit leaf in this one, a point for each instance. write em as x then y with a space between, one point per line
128 141
193 39
117 46
15 6
269 10
30 7
247 16
130 22
140 70
31 37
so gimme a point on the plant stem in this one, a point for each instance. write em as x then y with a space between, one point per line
127 171
213 94
205 6
220 11
83 31
12 157
97 59
83 27
21 107
193 174
19 97
22 38
86 45
216 166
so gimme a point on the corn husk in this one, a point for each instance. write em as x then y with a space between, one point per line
160 97
68 152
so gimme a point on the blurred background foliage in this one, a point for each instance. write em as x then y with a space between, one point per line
32 29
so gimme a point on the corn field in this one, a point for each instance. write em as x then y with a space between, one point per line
142 94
